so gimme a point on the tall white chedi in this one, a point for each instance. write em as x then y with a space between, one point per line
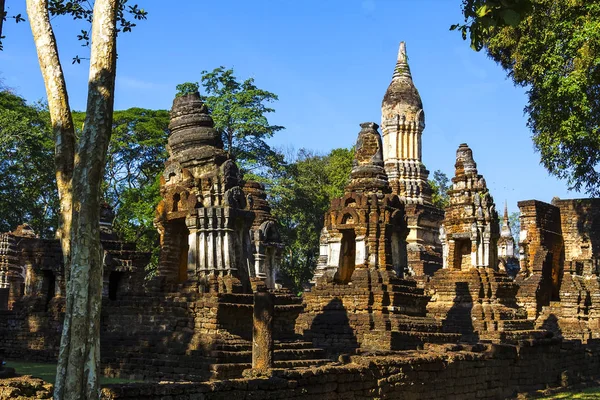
402 123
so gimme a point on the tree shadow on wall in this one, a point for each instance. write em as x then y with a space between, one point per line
459 317
331 330
551 324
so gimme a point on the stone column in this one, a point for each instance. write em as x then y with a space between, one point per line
192 253
4 291
262 332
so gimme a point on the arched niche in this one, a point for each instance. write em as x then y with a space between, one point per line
347 257
176 201
462 254
399 253
114 283
350 202
48 287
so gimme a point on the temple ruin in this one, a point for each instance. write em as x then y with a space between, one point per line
364 296
472 295
507 255
408 301
403 122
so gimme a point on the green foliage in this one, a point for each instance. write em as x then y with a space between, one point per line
187 88
482 17
47 372
515 228
575 394
300 198
83 10
554 51
135 159
240 113
27 187
440 184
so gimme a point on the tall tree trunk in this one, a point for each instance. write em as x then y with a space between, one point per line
79 183
79 361
60 116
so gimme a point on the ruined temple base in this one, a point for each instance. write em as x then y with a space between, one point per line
577 315
447 372
424 249
167 336
480 304
376 311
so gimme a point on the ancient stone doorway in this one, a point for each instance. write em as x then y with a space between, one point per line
4 292
182 233
462 254
48 287
399 254
114 280
347 256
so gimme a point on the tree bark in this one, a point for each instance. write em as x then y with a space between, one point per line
79 362
79 178
60 116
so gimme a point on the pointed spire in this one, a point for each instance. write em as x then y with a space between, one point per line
402 69
505 231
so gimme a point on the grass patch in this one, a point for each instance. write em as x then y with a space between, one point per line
47 372
584 394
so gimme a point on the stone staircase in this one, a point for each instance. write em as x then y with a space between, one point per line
576 315
230 360
185 336
480 303
497 317
401 323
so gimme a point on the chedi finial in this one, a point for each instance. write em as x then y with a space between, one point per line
402 69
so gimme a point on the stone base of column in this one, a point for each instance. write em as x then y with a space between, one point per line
262 331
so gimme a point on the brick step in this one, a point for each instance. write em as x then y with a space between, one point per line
516 325
404 289
399 322
229 357
405 340
234 370
298 344
279 308
299 354
430 337
242 298
233 347
241 344
403 282
512 337
301 363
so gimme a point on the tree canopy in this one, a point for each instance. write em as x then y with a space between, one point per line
239 110
135 158
300 198
440 184
552 48
27 186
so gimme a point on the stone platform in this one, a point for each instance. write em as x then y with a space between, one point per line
377 310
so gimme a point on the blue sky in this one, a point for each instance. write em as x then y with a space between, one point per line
330 62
